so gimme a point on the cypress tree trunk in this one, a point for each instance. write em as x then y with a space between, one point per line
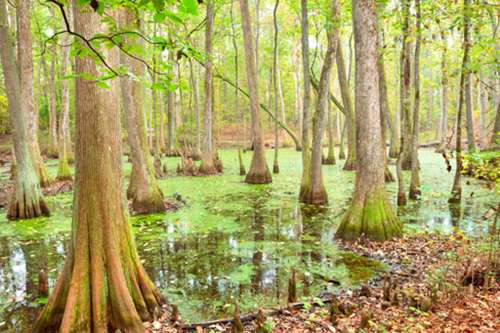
194 78
341 149
298 94
282 105
482 109
237 95
405 101
171 146
350 163
456 192
276 167
63 172
143 189
52 151
415 192
27 201
370 212
25 57
384 104
259 171
314 191
306 101
330 158
471 141
443 132
207 166
102 285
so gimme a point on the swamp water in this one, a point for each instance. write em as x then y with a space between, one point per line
231 240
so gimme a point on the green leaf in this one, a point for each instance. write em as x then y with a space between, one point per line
159 5
159 17
176 19
103 85
191 6
144 2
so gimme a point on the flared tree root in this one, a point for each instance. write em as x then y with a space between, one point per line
371 216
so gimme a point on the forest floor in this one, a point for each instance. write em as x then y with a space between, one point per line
451 265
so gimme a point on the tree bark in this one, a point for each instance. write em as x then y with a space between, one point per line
384 104
25 56
443 97
259 171
330 158
52 151
143 188
314 191
207 166
370 212
103 284
456 192
237 95
482 109
63 172
471 141
350 163
306 101
415 193
27 201
405 101
276 167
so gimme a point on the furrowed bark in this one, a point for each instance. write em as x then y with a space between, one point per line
25 58
259 171
207 166
143 189
314 191
370 212
456 192
63 172
415 192
27 201
350 163
103 284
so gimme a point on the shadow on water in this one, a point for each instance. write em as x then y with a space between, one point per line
232 241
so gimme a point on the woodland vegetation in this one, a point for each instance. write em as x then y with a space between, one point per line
167 86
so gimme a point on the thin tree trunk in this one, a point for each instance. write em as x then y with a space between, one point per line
443 98
237 95
25 58
171 144
330 158
405 100
64 172
52 151
456 192
207 166
194 82
306 101
404 157
482 109
471 141
415 193
103 284
431 98
282 104
370 212
341 149
350 163
259 171
384 104
314 191
276 167
143 189
298 95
